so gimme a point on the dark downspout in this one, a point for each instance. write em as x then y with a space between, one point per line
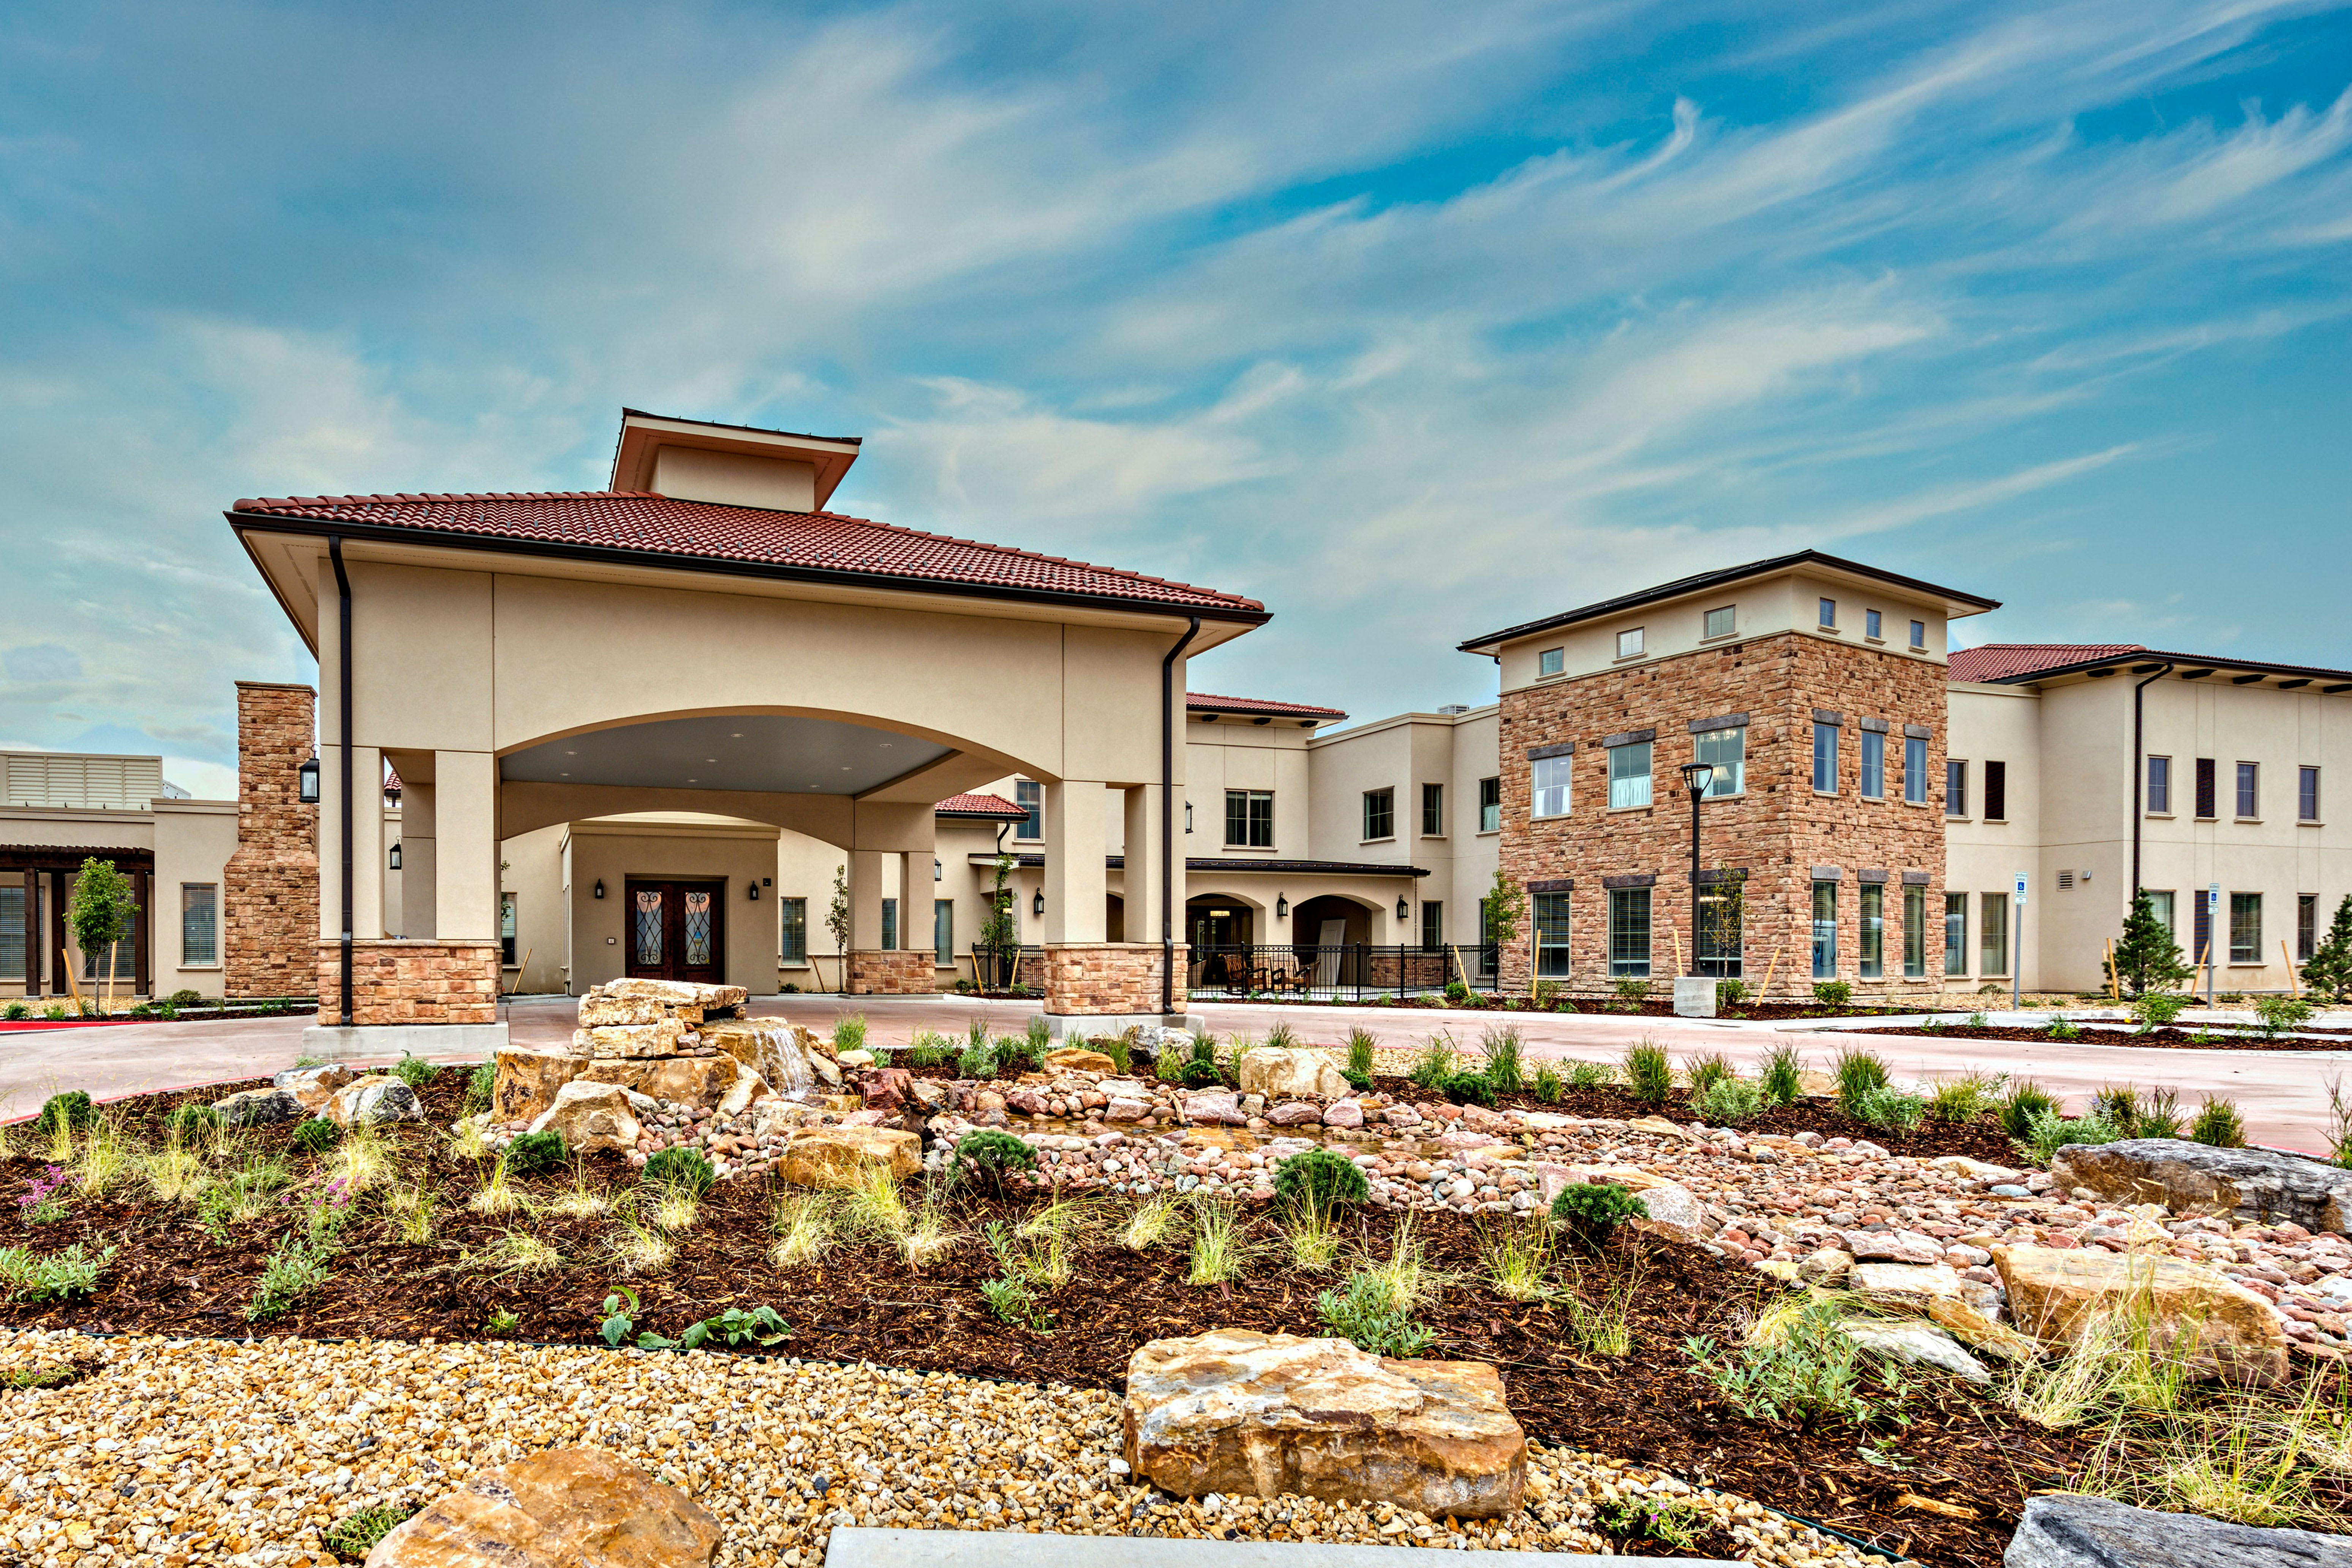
1168 818
2140 784
344 701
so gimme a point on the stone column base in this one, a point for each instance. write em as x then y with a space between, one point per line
402 981
892 972
1094 979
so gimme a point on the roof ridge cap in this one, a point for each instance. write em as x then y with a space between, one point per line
1015 550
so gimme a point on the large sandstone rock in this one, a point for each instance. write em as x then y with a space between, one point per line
1671 1211
593 1117
372 1102
1070 1059
666 1038
1920 1344
672 992
2195 1178
840 1156
314 1086
2218 1329
1237 1411
258 1108
1279 1073
528 1080
782 1054
562 1508
2098 1532
1906 1287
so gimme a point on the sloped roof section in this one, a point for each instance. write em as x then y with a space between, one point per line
640 528
1205 702
994 806
1998 661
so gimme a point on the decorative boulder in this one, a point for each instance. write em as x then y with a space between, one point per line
1214 1107
1296 1113
840 1156
258 1108
1906 1287
2216 1328
562 1507
748 1091
1280 1073
1670 1211
528 1080
1236 1411
1070 1059
2075 1532
2198 1179
1344 1113
666 1038
1919 1344
592 1117
372 1102
885 1089
314 1086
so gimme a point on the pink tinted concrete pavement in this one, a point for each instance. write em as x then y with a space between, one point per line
2281 1094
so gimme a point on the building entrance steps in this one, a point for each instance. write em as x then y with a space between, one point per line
858 1547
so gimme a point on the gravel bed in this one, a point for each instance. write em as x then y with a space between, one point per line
176 1452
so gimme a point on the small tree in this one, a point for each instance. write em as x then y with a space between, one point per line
998 932
100 914
2147 958
836 921
1507 906
2328 971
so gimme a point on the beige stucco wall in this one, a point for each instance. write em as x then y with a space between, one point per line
1228 752
739 853
193 839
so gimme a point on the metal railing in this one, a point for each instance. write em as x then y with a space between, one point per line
1349 971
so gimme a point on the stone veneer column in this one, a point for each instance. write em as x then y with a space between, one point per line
397 981
1110 980
269 892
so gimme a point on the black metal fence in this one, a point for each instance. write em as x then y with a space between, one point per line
1349 971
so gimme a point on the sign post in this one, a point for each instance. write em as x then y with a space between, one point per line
2212 935
2017 952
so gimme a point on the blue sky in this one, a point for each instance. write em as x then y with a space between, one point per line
1412 321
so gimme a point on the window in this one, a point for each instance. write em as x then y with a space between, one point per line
2306 794
1996 807
1956 788
1874 764
1550 778
2160 906
1918 636
1915 931
1829 612
1825 931
2245 927
1380 814
2248 789
1955 933
1721 623
2306 925
1551 936
1992 933
2203 942
1874 930
1029 796
1870 624
792 946
2205 792
506 930
1433 811
1432 923
1914 769
1628 775
1490 806
12 932
2159 786
1550 661
199 924
1629 932
943 932
1716 951
1825 748
891 923
1629 643
1249 818
1727 751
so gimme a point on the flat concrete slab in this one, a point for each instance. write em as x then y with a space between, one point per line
863 1547
470 1042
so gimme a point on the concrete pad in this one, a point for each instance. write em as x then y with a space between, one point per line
334 1042
1089 1025
865 1548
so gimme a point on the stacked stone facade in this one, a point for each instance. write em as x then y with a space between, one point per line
1779 832
1109 977
891 971
421 981
269 892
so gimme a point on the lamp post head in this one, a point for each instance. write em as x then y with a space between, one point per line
1698 776
307 781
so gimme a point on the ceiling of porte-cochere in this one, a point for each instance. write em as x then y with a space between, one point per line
767 752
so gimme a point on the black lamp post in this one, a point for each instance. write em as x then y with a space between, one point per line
1698 776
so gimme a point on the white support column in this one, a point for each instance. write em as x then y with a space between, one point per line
367 842
466 828
865 893
1143 880
1075 840
419 916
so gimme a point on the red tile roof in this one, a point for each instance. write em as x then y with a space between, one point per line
638 525
2008 660
1203 702
988 806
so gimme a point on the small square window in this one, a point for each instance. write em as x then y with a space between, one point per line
1380 814
1829 612
1629 643
1551 661
1721 623
1870 624
1920 635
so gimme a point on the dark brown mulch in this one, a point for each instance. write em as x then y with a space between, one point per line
2167 1038
860 1302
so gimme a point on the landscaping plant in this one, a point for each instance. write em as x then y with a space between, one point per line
1731 993
1887 1109
1313 1238
1834 994
1548 1087
316 1135
976 1061
2026 1099
1363 1312
2062 1028
1358 1071
69 1111
679 1167
480 1084
849 1033
2218 1124
1591 1074
804 1224
415 1070
1591 1211
1148 1224
618 1319
2328 971
988 1156
187 1120
100 913
1218 1249
1470 1088
354 1536
1435 1063
295 1269
2280 1014
1320 1180
2154 1010
1699 1072
1201 1068
536 1154
1517 1254
27 1276
40 1204
1796 1364
1856 1072
928 1049
2046 1133
1956 1101
1648 1075
1282 1037
1505 1057
1727 1101
2147 959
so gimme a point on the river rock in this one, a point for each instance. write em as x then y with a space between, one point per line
1281 1073
258 1108
1980 1333
1234 1411
1906 1286
885 1089
1344 1113
2198 1179
592 1117
2219 1330
314 1086
1214 1107
1671 1211
1920 1345
840 1156
1894 1246
2075 1532
562 1507
373 1100
1296 1113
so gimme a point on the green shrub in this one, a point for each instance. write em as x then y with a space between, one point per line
991 1155
1505 1057
1358 1071
2062 1028
1365 1312
679 1167
1594 1210
1809 1370
1700 1072
14 1010
1015 1054
1836 993
2280 1014
71 1109
2157 1009
1471 1088
1548 1087
1727 1102
1040 1037
414 1071
185 998
976 1061
187 1120
1731 993
316 1135
294 1271
26 1275
1648 1074
1782 1078
1959 1101
2218 1124
1122 1052
1435 1063
2026 1099
1887 1109
849 1033
1632 989
481 1085
2046 1133
1320 1180
1198 1074
1591 1074
1856 1071
355 1535
928 1049
535 1153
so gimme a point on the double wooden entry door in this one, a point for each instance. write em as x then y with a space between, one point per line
676 929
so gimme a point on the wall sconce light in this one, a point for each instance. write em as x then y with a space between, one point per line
754 890
1037 904
600 886
307 777
939 872
1404 909
395 854
1281 907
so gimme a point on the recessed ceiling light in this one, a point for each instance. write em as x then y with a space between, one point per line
694 781
570 753
845 767
710 759
734 734
563 775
